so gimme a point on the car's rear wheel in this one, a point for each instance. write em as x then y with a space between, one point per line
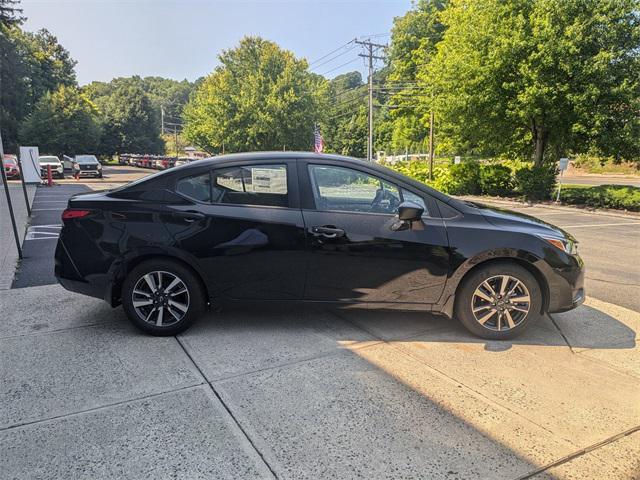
499 301
162 297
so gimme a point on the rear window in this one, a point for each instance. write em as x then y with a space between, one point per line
196 187
264 185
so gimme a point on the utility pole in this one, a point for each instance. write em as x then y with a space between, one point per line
431 146
370 49
5 184
162 119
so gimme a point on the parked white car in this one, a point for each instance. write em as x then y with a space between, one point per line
57 169
87 165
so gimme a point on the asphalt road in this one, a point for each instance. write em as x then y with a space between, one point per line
609 244
36 267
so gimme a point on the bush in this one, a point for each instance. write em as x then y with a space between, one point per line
464 179
495 179
602 196
536 183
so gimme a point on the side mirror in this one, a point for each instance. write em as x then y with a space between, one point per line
410 212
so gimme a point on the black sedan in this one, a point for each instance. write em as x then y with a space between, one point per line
296 227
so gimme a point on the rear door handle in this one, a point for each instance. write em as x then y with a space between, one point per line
328 232
190 216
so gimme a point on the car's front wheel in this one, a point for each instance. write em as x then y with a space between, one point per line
162 297
498 301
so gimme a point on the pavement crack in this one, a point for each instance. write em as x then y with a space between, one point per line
226 407
96 409
579 453
553 320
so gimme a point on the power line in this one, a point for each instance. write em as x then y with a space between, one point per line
332 52
334 57
370 49
339 66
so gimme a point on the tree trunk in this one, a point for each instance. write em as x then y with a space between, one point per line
540 141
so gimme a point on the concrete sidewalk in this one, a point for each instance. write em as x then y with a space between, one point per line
8 251
289 392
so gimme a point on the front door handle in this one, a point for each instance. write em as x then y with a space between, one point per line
327 232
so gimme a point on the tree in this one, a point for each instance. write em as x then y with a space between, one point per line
414 40
130 122
63 122
260 98
10 13
31 64
538 76
345 116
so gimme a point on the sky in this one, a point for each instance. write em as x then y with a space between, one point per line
182 38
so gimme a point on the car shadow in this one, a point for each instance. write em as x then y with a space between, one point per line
585 328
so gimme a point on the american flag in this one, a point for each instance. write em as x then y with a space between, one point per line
318 140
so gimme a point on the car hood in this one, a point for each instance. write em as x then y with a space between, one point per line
53 163
501 217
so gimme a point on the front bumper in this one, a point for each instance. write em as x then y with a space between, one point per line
566 286
88 173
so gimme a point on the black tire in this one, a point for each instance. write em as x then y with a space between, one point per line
465 298
195 295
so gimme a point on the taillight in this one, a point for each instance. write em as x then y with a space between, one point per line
71 213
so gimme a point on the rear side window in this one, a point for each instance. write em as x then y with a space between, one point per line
264 185
197 187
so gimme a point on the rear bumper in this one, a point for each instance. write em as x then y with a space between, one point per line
71 279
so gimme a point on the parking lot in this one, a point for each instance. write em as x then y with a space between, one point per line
289 391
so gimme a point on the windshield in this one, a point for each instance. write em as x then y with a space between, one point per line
49 159
86 159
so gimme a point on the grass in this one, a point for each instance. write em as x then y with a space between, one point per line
621 197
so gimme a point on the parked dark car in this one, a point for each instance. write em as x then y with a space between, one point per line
316 228
86 166
11 167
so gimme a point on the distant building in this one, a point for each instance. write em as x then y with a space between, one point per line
192 152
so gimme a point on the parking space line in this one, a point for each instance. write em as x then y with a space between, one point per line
599 225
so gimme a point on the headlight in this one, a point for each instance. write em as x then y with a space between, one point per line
564 244
99 166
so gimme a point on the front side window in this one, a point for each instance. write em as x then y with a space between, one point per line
348 190
251 185
408 196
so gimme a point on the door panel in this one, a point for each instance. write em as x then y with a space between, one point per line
372 263
355 254
252 249
247 252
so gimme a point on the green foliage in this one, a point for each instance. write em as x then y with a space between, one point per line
496 179
465 179
345 125
521 78
62 122
260 98
536 183
10 13
414 39
31 64
602 196
130 122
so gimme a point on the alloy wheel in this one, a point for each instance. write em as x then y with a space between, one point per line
160 298
501 303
